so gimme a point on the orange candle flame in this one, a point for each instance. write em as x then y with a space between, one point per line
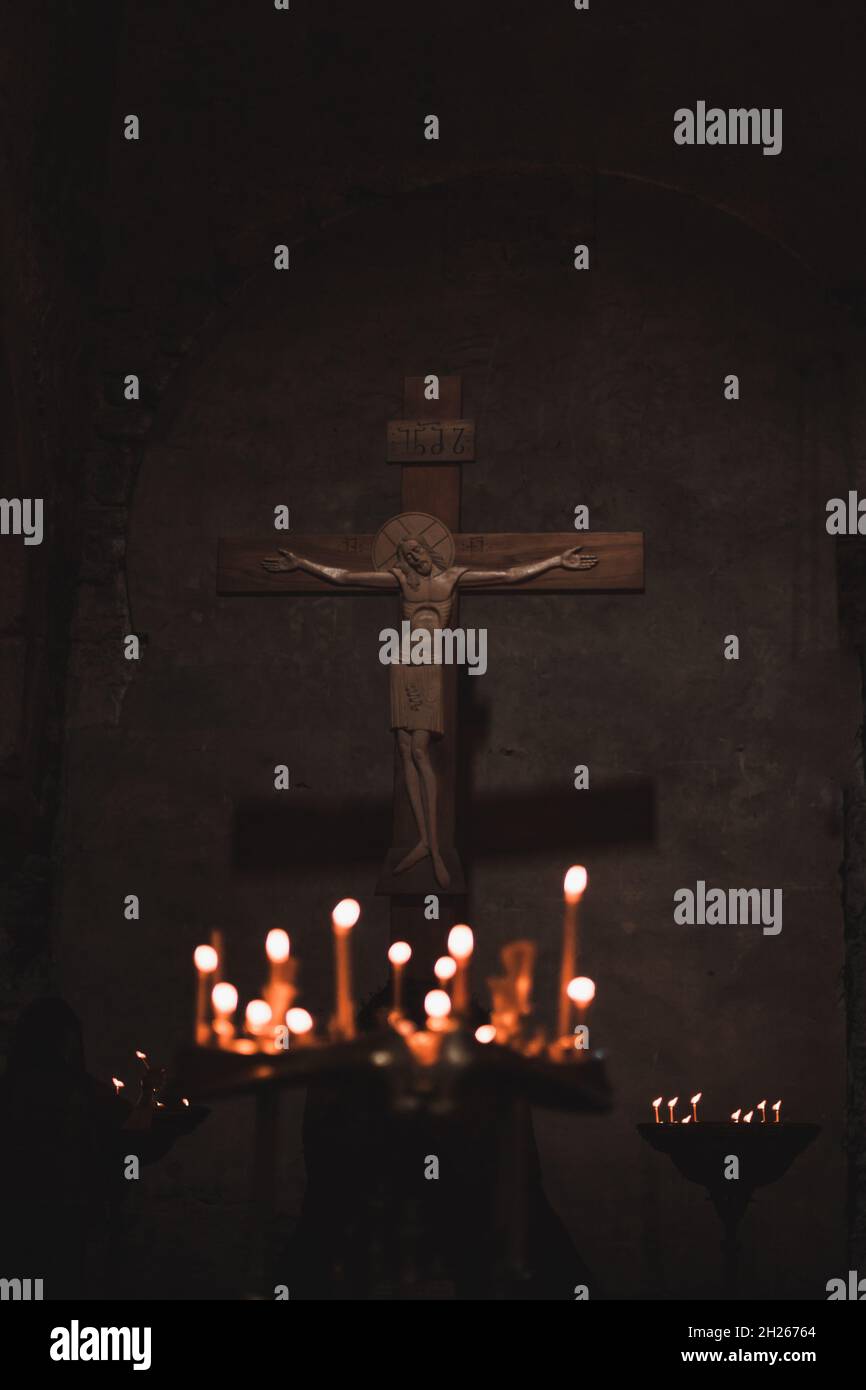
437 1004
581 990
461 942
445 968
224 998
345 914
574 883
736 1116
277 946
206 959
258 1015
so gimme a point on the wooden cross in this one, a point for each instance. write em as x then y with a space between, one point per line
430 444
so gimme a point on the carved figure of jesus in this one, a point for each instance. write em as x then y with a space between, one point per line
428 583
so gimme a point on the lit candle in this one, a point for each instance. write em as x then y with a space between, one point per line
142 1056
118 1085
299 1022
694 1105
278 993
672 1105
437 1007
399 954
460 945
736 1116
581 992
687 1120
257 1017
445 969
573 887
224 998
747 1118
343 919
656 1103
762 1106
777 1110
206 961
485 1034
184 1101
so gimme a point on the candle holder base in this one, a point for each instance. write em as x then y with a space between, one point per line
393 1106
701 1153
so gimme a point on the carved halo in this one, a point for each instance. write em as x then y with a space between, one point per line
415 525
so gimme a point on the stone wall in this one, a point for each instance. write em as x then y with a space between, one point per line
603 388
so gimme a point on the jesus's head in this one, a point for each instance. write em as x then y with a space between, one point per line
415 558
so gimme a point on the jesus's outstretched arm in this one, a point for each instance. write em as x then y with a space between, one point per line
572 559
286 560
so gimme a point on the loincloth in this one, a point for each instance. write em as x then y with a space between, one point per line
416 698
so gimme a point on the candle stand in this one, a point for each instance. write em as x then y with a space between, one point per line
379 1069
699 1152
463 1082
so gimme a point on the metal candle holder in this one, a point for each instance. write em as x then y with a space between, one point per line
698 1151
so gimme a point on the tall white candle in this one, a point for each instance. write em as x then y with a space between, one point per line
445 969
574 886
279 989
224 998
437 1007
206 962
460 945
257 1018
581 992
343 919
399 954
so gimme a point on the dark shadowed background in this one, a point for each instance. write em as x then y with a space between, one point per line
603 388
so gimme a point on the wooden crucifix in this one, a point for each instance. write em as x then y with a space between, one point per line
422 556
